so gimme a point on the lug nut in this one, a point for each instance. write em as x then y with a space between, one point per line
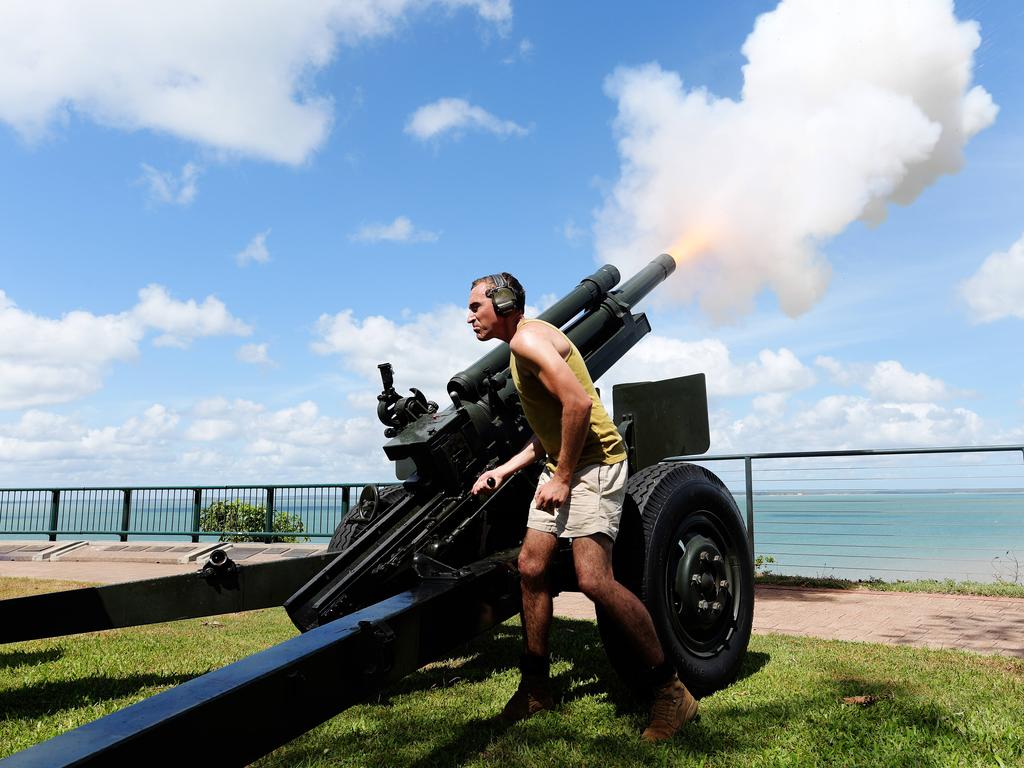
723 584
702 605
716 606
703 555
695 579
717 558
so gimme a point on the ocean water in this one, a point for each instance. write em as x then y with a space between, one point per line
962 535
975 535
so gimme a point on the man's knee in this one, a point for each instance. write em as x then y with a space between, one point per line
593 583
533 567
593 566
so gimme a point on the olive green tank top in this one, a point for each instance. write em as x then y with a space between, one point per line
603 444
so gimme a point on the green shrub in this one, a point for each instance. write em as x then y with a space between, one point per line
248 519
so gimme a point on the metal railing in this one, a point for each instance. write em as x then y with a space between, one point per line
955 512
895 514
171 511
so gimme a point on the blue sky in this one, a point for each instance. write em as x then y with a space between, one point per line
217 222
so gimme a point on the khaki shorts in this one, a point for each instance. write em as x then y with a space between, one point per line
594 504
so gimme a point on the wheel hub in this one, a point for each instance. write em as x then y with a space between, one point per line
701 585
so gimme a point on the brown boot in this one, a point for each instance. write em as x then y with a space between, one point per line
673 706
532 696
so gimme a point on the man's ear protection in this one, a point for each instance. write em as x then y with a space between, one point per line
502 296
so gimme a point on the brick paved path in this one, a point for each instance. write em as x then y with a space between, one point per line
982 624
94 572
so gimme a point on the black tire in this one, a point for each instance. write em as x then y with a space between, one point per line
672 514
355 522
348 531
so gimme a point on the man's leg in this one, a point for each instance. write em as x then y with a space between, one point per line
673 704
593 558
534 558
534 693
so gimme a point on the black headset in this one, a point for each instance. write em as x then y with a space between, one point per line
503 296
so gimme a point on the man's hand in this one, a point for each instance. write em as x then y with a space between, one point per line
553 494
488 482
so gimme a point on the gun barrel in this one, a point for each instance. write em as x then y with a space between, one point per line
644 281
593 334
466 384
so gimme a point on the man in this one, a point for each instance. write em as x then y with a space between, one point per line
579 496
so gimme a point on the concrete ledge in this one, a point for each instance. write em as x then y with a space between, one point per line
251 552
112 562
169 552
129 552
35 550
63 549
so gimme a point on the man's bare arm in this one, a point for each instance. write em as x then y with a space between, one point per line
530 453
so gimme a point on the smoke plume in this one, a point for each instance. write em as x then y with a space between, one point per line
847 106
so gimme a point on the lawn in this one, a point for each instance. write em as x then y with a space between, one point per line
799 701
935 586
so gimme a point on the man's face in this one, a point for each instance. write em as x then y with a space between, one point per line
482 316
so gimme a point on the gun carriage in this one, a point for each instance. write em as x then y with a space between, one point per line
420 566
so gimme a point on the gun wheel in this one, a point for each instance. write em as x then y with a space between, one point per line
373 500
682 549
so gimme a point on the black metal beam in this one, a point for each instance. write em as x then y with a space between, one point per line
207 592
269 698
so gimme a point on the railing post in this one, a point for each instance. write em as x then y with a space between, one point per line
54 511
197 509
270 515
346 498
126 514
748 471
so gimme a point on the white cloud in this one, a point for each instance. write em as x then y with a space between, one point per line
996 290
215 441
841 422
220 441
256 354
165 187
229 75
847 106
77 337
46 360
888 381
155 421
891 382
840 373
26 384
246 438
183 321
55 360
454 116
426 351
401 230
772 403
256 251
38 438
545 301
208 430
523 52
657 357
572 233
429 348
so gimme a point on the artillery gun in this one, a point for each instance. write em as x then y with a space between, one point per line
421 566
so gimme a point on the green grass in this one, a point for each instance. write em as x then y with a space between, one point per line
931 708
938 586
